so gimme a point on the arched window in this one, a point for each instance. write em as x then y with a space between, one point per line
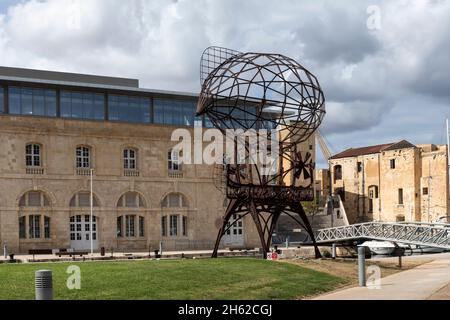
131 225
34 199
33 155
337 172
174 200
34 220
173 224
130 159
83 157
83 199
131 200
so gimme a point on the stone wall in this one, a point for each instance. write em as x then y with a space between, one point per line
416 168
59 139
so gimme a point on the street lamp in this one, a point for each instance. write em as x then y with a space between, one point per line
92 212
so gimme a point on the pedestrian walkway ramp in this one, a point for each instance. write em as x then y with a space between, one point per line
435 235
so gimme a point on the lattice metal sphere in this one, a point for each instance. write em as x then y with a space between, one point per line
261 91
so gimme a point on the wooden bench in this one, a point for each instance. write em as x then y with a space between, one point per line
73 253
40 252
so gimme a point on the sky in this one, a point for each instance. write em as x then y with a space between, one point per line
383 65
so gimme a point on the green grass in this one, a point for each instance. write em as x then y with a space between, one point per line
172 279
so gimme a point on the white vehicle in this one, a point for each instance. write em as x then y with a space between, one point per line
380 247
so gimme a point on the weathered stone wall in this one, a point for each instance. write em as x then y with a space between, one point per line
59 139
416 168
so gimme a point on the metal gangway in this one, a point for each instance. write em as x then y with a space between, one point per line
435 235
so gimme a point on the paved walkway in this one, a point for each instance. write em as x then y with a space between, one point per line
421 283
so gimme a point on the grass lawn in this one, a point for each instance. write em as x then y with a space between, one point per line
173 279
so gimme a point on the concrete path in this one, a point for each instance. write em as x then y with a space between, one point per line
420 283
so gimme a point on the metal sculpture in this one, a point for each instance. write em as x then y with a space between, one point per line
262 93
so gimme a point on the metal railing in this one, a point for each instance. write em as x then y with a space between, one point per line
131 173
36 171
425 234
83 172
176 174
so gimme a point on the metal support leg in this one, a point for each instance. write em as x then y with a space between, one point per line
333 251
303 216
230 210
255 216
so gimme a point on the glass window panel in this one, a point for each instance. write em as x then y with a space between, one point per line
164 226
34 199
73 202
129 108
113 104
38 104
77 105
34 223
2 107
26 101
130 226
22 202
145 109
173 226
88 105
174 112
184 226
22 232
130 199
174 200
99 107
47 227
66 104
14 100
83 157
141 226
133 110
158 112
119 227
84 199
50 103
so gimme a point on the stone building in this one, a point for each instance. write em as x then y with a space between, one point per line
321 185
56 127
392 182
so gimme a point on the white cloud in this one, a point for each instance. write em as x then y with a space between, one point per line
364 73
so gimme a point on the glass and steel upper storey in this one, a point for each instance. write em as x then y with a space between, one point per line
87 101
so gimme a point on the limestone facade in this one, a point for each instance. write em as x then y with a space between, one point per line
58 179
393 182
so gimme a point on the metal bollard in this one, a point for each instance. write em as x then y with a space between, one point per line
160 248
5 251
362 266
333 251
44 285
